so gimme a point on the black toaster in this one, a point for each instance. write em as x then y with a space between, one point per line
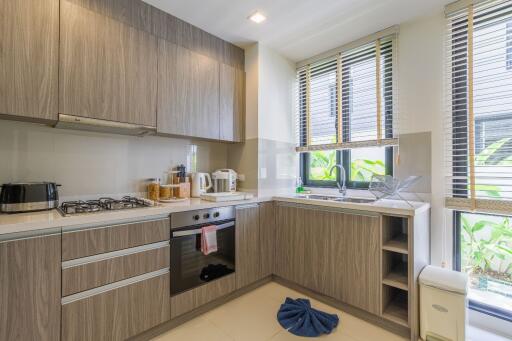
28 197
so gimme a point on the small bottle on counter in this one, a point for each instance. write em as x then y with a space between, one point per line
154 189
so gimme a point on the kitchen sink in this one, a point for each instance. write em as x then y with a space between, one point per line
337 198
356 200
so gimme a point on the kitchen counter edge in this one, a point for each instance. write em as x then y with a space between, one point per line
22 225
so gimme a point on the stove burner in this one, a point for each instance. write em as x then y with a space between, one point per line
101 204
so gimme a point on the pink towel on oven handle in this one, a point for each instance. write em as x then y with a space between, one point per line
208 239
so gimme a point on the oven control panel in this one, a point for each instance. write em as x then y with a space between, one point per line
211 215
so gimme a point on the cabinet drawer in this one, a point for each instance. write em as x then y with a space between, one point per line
91 272
93 241
118 313
192 299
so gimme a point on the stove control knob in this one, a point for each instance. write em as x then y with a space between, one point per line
206 215
196 217
216 214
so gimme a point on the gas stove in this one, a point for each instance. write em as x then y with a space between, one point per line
68 208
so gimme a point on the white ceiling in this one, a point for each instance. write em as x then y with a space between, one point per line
298 29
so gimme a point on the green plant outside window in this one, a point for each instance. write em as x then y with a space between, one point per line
486 256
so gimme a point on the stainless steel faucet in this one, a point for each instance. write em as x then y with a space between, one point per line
341 186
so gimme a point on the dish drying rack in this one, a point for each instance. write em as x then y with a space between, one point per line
386 186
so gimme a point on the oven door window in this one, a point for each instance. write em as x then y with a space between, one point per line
191 268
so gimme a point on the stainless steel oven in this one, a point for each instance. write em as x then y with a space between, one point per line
190 268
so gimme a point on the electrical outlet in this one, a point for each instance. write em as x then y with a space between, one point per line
241 177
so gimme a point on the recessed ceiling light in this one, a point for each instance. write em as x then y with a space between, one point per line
257 17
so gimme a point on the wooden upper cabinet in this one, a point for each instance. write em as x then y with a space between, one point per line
30 282
29 38
232 103
107 68
188 92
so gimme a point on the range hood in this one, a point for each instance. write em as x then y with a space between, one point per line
102 126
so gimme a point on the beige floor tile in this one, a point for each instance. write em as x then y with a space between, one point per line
276 292
253 317
198 329
362 330
248 318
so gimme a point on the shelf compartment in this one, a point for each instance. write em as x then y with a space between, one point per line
394 234
397 277
397 244
395 305
395 270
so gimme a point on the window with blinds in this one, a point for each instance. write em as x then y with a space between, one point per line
346 101
479 112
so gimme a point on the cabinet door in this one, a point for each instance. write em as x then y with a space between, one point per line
107 69
232 103
267 238
188 92
289 262
356 247
119 313
29 38
248 268
30 289
318 249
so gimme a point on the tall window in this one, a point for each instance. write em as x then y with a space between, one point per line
345 115
479 132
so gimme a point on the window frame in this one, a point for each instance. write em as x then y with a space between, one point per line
457 265
343 157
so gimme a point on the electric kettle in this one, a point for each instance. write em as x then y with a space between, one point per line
201 183
224 180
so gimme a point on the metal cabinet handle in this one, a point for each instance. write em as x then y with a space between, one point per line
198 231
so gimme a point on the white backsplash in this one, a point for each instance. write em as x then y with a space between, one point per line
90 164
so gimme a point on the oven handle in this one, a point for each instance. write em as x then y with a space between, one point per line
198 231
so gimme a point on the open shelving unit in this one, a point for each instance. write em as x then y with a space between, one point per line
395 305
395 270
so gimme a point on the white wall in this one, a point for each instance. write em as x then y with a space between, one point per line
420 99
267 159
276 119
277 159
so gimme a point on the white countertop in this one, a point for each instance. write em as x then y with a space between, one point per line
28 222
384 206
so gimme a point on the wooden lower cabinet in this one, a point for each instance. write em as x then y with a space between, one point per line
330 252
109 238
356 257
194 298
30 289
267 238
119 313
119 267
248 267
289 261
319 266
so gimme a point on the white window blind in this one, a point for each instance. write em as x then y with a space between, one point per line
346 100
479 111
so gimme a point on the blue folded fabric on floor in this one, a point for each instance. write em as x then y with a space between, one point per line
299 318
